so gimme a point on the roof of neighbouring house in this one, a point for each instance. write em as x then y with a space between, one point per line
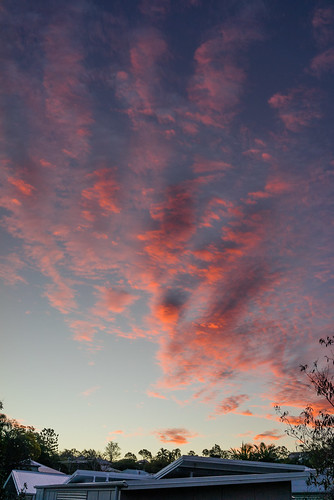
194 466
37 467
26 480
93 476
194 471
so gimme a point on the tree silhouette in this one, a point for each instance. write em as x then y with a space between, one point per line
314 430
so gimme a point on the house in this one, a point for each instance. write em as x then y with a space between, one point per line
189 477
24 482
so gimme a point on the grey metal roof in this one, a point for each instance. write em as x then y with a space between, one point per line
206 466
90 476
192 482
25 480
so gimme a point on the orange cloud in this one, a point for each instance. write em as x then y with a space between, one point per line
153 394
175 435
103 191
114 300
84 330
90 391
272 435
230 404
22 186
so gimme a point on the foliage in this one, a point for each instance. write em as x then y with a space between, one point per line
145 454
112 451
48 442
18 443
126 463
260 452
314 430
215 452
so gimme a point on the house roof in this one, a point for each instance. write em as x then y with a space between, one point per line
195 482
193 466
25 480
189 471
90 476
41 468
188 482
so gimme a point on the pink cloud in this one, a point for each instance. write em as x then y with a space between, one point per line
215 88
84 330
154 9
230 404
139 85
88 392
153 394
24 187
10 266
247 413
175 435
61 296
112 300
272 435
297 109
323 62
103 192
217 83
203 165
323 25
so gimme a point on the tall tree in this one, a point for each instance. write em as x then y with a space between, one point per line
314 430
112 451
17 444
216 452
245 452
145 454
48 442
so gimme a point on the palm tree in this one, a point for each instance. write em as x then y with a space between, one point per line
245 452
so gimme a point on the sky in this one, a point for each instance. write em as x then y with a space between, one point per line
166 217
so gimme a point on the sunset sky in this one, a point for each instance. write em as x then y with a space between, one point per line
166 216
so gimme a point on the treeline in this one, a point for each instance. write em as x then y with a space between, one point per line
19 443
145 460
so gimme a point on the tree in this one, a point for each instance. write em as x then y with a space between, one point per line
245 452
270 453
314 430
145 454
215 452
175 454
112 451
18 443
48 442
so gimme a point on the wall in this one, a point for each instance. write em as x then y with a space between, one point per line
269 491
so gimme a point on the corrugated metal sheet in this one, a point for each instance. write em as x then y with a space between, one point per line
27 480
